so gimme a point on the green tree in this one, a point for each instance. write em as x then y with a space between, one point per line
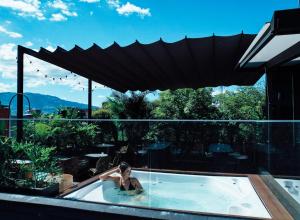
184 104
131 105
106 130
246 103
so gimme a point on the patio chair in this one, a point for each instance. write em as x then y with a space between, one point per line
118 156
102 165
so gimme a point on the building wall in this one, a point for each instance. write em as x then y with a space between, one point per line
4 124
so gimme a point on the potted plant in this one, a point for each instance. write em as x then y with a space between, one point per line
5 164
30 177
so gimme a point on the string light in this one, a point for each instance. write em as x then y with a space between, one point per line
60 78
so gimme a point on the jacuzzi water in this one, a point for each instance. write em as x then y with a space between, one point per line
209 194
291 186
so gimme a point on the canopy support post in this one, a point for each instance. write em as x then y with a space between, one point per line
89 99
20 86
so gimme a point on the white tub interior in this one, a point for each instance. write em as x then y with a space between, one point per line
291 186
211 194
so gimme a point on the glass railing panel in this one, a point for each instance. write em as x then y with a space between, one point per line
81 149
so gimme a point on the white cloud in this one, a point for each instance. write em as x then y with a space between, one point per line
39 73
36 72
50 48
113 3
8 70
6 87
31 83
70 14
129 9
28 44
8 51
58 4
8 62
64 10
102 96
98 86
90 1
57 17
10 33
37 8
24 7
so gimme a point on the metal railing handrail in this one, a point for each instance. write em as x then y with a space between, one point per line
152 120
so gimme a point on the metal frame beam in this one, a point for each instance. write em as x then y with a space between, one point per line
20 87
283 22
284 57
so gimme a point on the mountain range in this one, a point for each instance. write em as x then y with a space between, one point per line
45 103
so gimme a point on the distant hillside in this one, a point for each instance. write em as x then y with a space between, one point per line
46 103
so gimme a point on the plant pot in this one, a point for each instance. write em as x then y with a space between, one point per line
28 175
67 182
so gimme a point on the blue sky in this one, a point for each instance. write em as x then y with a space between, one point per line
51 23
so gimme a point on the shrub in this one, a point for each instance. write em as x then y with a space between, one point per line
42 162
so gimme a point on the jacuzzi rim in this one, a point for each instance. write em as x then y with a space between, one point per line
196 173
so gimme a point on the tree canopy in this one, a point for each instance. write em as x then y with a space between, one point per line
185 104
246 103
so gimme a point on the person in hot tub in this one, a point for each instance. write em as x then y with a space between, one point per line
123 180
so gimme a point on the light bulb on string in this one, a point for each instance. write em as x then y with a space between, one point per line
28 59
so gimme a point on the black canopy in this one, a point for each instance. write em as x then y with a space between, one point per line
188 63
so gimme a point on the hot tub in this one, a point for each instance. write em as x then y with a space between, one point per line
291 186
220 195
